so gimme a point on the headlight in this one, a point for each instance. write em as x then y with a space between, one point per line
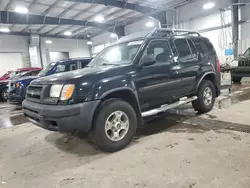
55 91
235 63
67 92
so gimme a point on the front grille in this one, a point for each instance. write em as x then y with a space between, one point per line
245 63
34 92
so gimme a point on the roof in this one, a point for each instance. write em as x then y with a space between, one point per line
74 59
28 69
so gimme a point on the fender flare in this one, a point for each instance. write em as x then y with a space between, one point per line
202 78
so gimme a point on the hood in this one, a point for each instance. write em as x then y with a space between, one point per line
26 78
2 78
243 58
62 78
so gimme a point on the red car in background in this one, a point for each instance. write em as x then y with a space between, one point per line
11 74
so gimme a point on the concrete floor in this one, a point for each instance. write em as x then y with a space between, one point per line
180 149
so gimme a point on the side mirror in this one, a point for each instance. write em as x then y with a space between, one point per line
148 60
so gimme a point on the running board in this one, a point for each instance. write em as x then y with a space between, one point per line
164 108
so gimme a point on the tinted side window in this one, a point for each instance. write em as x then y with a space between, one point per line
72 66
204 47
183 49
193 49
160 50
84 63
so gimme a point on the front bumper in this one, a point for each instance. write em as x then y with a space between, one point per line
15 99
62 118
241 72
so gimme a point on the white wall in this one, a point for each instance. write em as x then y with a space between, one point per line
75 48
12 43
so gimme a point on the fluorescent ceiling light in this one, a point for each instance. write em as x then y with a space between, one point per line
48 42
89 42
208 5
67 33
149 24
5 30
113 35
22 10
99 18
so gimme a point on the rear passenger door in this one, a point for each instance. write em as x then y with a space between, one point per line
189 65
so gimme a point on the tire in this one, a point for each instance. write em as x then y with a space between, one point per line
201 104
237 79
3 95
107 113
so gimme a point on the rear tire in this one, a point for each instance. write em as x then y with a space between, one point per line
237 79
206 97
115 125
3 95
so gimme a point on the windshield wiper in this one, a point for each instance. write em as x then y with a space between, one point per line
106 64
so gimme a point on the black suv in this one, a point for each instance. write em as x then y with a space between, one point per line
139 76
241 67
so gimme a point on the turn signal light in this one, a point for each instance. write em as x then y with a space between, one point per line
67 91
17 85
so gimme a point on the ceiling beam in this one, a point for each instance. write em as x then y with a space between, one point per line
47 36
73 17
15 18
119 4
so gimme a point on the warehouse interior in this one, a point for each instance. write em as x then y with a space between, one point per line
181 148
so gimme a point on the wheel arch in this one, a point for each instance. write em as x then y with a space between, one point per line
126 94
212 77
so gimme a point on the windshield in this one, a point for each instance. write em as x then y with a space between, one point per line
12 74
119 54
45 71
247 53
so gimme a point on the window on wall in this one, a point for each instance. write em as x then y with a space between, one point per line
160 50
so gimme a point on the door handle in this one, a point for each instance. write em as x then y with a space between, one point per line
175 69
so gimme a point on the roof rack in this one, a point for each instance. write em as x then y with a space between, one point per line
163 32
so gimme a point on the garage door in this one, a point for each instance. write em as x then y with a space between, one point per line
10 61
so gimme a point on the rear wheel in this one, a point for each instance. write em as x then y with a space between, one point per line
115 125
206 97
4 95
237 79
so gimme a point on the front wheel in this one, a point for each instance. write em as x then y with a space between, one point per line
4 95
206 97
115 125
237 79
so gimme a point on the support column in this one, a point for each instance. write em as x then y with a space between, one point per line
235 26
120 31
34 51
162 17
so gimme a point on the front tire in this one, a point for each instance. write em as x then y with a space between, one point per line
115 125
206 97
237 79
4 96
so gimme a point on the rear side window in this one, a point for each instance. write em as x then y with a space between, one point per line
184 50
193 49
204 47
